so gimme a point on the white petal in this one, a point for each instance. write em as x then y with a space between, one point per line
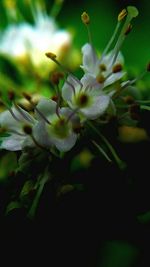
41 135
90 60
46 107
107 60
99 106
13 142
65 144
71 86
7 121
114 78
90 83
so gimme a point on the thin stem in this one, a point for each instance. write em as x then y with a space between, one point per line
33 208
111 41
56 8
120 163
102 151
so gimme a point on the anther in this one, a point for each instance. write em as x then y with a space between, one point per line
11 95
56 76
27 129
128 29
27 96
100 78
102 67
117 68
122 14
85 18
51 55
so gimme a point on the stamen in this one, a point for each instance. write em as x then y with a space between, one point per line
53 58
86 20
122 14
13 115
72 114
22 113
102 67
28 97
11 95
72 87
132 13
128 30
28 130
117 68
100 78
56 8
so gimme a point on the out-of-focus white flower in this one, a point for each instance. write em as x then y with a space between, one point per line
25 41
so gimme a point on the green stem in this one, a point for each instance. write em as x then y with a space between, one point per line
119 162
33 208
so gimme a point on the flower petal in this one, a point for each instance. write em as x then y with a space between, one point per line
71 86
99 106
66 144
90 83
7 121
46 107
41 135
90 60
13 142
113 78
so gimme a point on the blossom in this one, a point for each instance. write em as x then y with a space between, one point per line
86 96
13 122
24 41
60 126
103 68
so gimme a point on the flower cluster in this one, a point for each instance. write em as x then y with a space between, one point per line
58 123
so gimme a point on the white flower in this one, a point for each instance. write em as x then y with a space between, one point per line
102 66
85 96
12 122
33 41
60 128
